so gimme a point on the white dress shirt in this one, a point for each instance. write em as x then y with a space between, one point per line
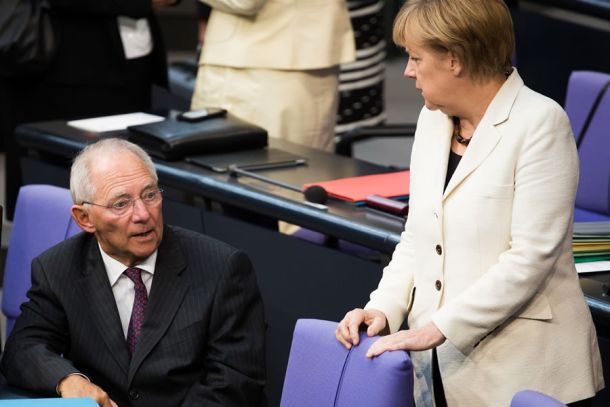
123 287
136 37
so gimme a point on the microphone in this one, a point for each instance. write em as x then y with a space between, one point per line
315 195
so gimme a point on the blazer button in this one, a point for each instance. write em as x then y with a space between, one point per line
134 395
439 249
438 285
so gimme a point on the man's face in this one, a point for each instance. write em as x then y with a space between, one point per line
132 236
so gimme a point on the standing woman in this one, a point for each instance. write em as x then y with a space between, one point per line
484 269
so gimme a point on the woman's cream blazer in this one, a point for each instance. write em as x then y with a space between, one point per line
489 260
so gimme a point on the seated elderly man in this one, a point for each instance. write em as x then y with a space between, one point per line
134 312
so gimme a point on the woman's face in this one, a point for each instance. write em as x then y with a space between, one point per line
434 75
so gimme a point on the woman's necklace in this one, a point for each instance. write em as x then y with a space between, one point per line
457 132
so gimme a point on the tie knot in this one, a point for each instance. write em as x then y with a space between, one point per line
134 274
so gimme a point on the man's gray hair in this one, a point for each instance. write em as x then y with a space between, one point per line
81 184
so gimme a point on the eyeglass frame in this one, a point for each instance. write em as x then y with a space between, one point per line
131 202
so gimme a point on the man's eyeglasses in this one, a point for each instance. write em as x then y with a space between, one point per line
121 206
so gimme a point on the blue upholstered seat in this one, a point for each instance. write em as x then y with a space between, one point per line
322 372
42 219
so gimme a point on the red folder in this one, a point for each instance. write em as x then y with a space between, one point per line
356 189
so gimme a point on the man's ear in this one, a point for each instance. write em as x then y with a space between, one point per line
81 217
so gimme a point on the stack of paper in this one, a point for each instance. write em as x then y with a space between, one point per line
591 246
357 189
114 122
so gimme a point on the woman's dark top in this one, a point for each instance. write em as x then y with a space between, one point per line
454 160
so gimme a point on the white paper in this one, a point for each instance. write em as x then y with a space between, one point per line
115 122
593 266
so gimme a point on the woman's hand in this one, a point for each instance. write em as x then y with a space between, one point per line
426 337
347 331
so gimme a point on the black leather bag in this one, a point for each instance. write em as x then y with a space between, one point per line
172 139
28 40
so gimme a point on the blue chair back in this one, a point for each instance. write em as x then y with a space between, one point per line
531 398
322 372
588 106
42 219
582 92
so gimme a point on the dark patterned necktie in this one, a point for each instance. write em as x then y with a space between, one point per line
139 305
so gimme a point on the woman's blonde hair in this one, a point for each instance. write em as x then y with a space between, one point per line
478 32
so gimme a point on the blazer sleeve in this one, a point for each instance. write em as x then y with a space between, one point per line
32 357
396 290
242 7
545 182
235 354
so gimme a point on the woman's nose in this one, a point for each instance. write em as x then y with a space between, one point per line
409 72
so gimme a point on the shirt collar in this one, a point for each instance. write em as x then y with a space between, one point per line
115 268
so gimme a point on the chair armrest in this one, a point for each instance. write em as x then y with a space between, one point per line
344 142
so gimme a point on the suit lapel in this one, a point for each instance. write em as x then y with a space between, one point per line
442 147
487 135
167 293
483 142
102 305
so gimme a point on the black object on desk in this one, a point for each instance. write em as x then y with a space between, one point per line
250 160
173 139
387 205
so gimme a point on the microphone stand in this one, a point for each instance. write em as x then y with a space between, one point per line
234 170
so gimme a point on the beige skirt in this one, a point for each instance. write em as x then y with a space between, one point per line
297 106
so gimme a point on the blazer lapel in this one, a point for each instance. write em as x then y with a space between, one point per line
442 148
167 293
487 135
102 305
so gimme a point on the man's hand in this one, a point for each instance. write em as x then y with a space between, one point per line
426 337
347 331
78 386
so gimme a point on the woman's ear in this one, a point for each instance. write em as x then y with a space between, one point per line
454 64
82 218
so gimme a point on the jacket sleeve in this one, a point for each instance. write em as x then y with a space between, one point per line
32 357
235 354
103 8
396 290
242 7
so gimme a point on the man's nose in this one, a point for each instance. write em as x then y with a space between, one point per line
140 210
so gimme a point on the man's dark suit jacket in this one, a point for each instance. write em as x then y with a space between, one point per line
90 48
202 342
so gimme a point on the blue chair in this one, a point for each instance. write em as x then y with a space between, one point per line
589 110
583 90
531 398
42 219
322 372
